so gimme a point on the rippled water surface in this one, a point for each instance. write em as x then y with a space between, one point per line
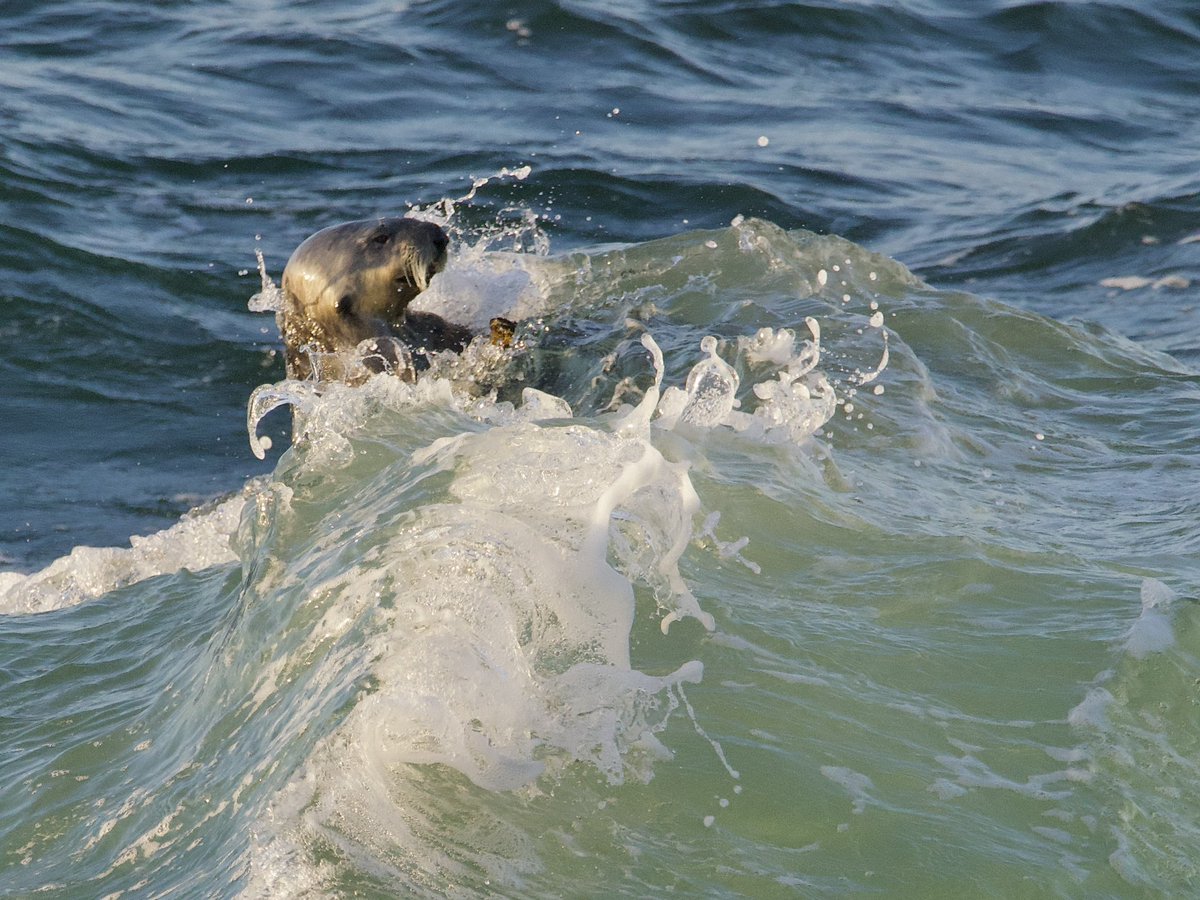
833 532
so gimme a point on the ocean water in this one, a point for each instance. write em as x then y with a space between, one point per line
832 531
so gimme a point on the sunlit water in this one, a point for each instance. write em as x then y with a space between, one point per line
763 565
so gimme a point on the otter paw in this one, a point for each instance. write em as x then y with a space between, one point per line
502 331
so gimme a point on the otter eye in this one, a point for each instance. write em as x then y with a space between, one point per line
381 238
345 306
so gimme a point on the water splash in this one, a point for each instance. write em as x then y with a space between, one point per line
492 618
270 296
790 408
522 236
447 206
711 388
300 395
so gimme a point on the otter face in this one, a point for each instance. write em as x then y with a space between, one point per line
353 282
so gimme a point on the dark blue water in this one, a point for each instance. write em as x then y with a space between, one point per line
1025 151
1040 157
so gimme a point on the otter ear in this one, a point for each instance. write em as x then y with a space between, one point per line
345 306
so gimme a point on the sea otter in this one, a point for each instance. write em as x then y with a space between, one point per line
352 283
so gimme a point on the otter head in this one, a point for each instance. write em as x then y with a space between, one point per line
353 282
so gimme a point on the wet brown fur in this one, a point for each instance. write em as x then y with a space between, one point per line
353 282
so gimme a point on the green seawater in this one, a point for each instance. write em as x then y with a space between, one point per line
952 652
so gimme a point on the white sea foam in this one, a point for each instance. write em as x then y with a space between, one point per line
501 618
1092 710
1152 631
970 772
197 541
1135 282
502 613
479 284
856 784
